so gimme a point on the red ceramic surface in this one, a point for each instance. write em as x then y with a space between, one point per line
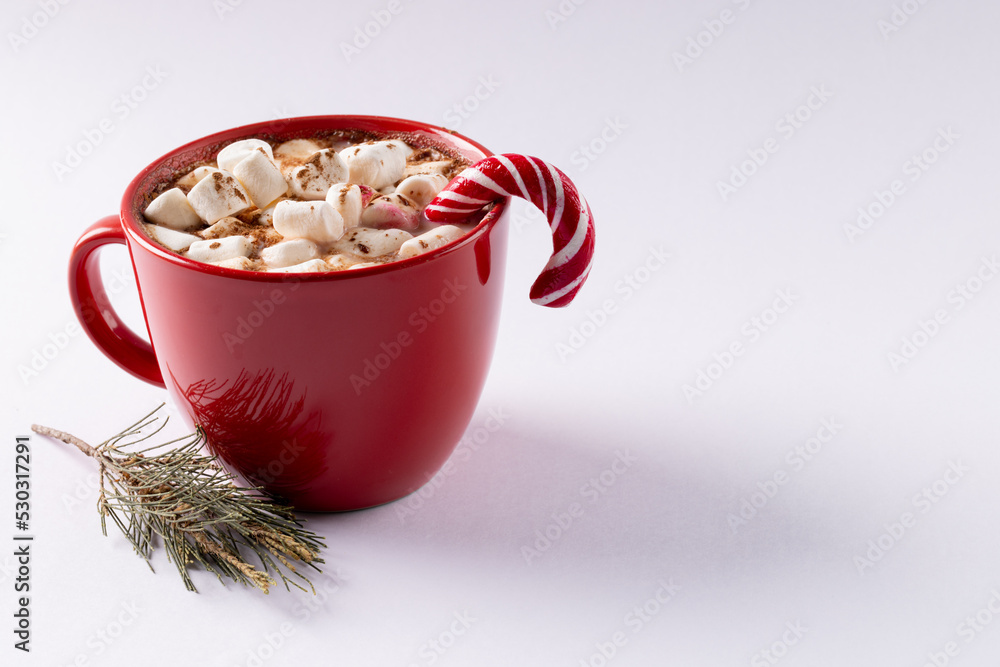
335 391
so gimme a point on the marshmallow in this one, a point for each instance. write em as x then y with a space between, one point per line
433 167
313 178
171 239
349 200
233 226
287 253
217 250
296 148
241 263
171 209
376 164
338 262
338 144
422 188
191 179
234 153
395 211
225 227
363 265
217 195
313 220
261 178
312 266
428 241
367 242
266 216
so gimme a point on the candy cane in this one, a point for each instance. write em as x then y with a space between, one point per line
547 188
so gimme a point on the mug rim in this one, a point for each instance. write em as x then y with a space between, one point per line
380 124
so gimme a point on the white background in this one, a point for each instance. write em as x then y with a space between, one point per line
662 134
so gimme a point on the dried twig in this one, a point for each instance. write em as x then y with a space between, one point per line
187 500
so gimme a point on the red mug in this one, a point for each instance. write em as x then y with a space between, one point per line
333 391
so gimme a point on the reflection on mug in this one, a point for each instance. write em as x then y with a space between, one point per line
256 424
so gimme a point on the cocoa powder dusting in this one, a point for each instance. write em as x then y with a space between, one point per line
248 223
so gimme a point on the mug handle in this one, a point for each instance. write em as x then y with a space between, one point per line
552 191
94 310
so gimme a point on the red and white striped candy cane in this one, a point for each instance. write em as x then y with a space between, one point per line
547 188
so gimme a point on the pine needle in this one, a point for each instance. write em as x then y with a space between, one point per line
174 492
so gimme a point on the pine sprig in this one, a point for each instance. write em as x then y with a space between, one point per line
174 492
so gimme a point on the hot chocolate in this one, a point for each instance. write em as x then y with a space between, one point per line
325 203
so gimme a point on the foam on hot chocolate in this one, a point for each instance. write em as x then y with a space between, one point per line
326 203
